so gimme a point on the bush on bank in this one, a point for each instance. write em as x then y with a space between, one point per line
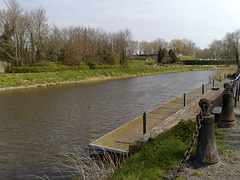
47 69
38 69
210 62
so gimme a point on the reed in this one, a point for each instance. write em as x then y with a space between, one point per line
98 166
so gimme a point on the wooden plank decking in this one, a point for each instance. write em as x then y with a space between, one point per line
120 139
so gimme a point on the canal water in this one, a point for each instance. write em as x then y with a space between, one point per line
39 126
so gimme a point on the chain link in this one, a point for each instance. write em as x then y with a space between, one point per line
194 137
191 144
219 97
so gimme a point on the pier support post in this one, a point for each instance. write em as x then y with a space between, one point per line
210 79
184 99
202 88
206 153
227 117
144 123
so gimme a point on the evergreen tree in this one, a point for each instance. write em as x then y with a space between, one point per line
163 56
6 45
166 59
172 56
160 55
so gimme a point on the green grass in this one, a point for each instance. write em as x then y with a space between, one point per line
136 63
164 152
26 79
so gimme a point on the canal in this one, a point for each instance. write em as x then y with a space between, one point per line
39 126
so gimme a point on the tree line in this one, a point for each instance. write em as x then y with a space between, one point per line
27 38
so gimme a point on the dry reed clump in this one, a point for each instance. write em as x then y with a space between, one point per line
97 166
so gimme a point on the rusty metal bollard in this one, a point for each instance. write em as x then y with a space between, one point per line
227 118
206 153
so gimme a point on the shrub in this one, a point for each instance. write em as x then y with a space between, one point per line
209 62
37 69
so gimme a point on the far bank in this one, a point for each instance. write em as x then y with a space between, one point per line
33 80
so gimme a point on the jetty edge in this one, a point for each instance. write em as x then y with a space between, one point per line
129 137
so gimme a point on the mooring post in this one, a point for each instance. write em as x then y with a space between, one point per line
210 79
206 153
220 78
144 123
184 99
227 117
225 75
238 90
236 95
202 88
213 83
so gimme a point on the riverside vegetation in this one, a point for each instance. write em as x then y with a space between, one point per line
135 68
156 160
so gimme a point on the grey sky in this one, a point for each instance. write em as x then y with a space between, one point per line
198 20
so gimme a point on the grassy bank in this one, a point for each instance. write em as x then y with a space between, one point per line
28 79
161 155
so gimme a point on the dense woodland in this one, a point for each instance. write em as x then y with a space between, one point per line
27 38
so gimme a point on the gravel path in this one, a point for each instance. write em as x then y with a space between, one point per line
228 168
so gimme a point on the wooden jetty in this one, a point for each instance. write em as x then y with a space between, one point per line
120 139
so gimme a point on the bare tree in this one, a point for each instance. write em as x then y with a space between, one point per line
216 49
145 47
177 46
232 43
39 33
158 44
188 47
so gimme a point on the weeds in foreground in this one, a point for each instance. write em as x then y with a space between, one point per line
98 166
197 173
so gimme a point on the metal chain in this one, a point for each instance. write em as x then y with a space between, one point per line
219 97
191 144
194 137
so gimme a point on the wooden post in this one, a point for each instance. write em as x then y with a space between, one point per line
202 88
144 123
213 83
184 99
209 79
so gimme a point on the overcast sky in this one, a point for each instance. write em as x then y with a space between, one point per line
198 20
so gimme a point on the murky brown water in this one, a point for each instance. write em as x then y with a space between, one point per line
38 126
